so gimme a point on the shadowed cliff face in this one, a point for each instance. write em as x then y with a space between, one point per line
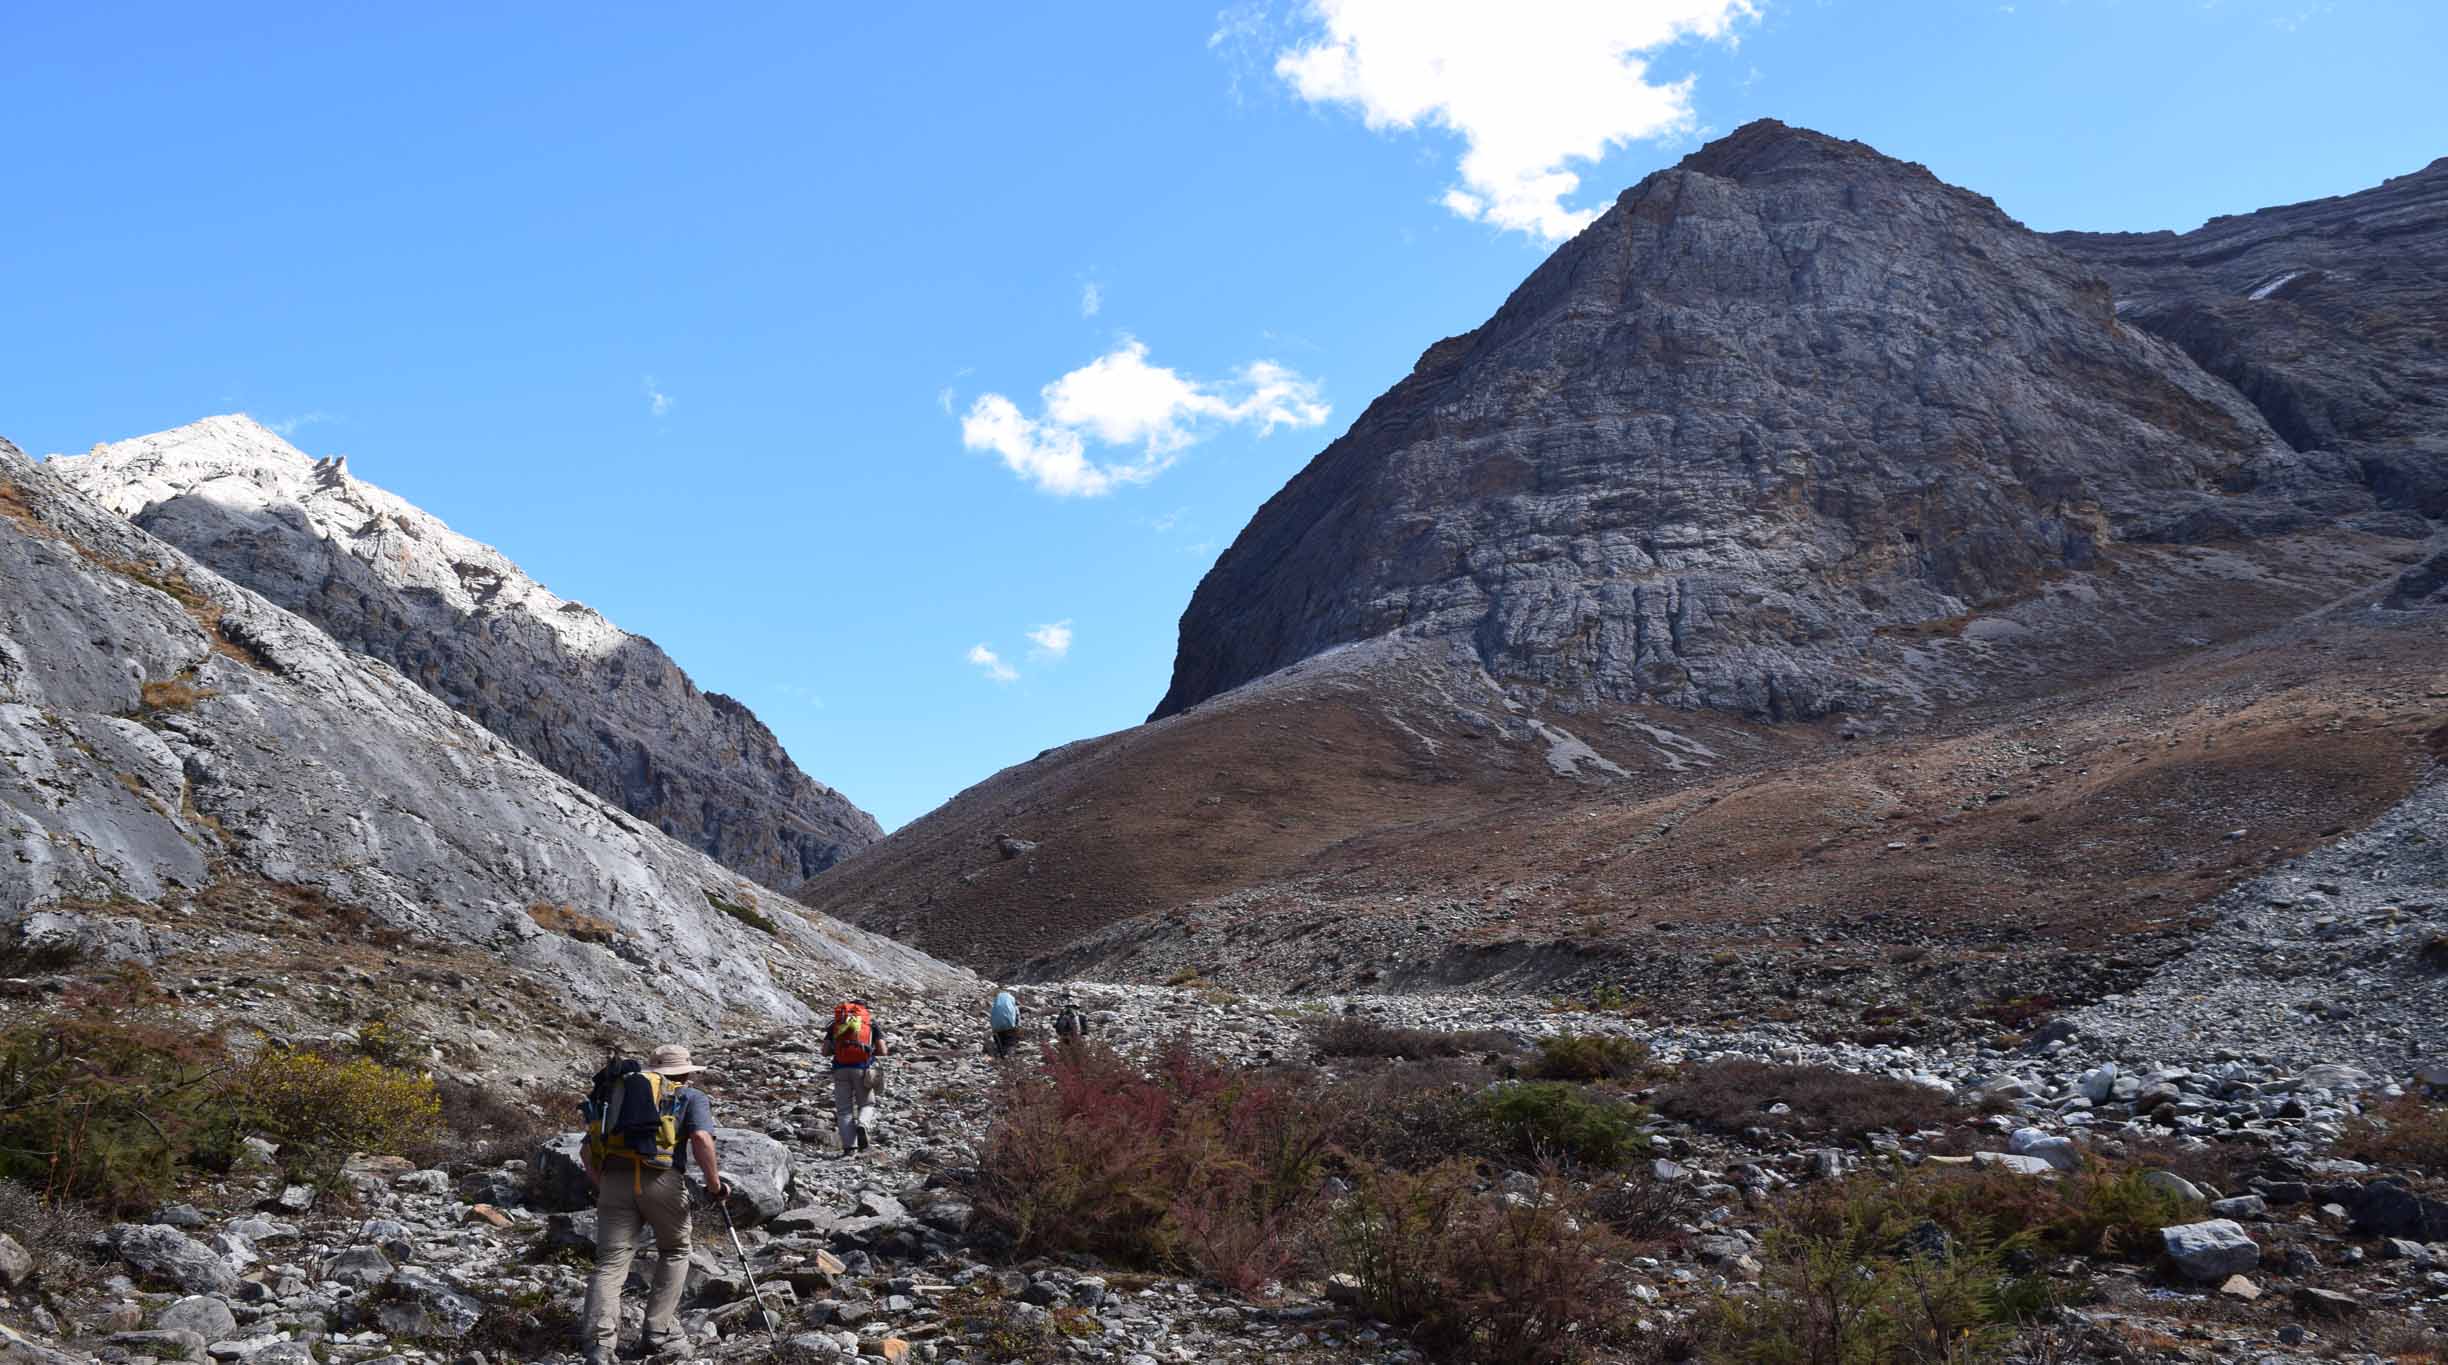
604 708
1779 401
2331 317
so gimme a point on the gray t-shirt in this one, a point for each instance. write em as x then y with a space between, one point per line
696 1114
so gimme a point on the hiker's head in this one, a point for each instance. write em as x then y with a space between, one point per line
672 1060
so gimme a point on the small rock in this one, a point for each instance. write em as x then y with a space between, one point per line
2237 1287
16 1263
2168 1182
2326 1303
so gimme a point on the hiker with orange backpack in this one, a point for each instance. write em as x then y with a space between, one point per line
639 1120
855 1042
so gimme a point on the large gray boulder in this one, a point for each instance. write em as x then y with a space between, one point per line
2208 1252
202 1314
169 1256
757 1169
603 708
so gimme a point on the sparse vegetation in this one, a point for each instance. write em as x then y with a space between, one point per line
1736 1093
321 1108
572 922
179 694
1552 1121
1859 1274
1589 1057
1190 1164
112 1098
1353 1037
745 914
1472 1277
2408 1133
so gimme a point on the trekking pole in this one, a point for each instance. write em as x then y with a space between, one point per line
773 1320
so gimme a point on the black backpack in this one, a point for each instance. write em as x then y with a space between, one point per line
631 1112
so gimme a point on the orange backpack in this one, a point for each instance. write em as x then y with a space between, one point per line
852 1034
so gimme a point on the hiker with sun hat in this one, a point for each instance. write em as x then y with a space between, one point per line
640 1119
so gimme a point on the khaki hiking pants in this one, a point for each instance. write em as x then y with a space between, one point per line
633 1200
854 1108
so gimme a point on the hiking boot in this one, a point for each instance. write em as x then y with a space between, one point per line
673 1347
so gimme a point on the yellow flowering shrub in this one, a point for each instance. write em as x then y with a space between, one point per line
321 1108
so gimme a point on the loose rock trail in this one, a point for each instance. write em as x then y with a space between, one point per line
871 1256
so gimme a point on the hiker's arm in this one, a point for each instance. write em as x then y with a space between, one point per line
702 1143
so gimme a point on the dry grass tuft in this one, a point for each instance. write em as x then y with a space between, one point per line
571 922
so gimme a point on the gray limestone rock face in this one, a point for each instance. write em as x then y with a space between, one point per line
164 732
604 708
1779 404
2325 315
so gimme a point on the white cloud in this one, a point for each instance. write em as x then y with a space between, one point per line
1092 299
657 401
1053 639
288 426
1120 400
996 669
1528 87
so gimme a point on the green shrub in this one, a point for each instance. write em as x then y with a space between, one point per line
112 1098
1856 1274
745 914
1589 1057
1541 1121
1478 1277
105 1099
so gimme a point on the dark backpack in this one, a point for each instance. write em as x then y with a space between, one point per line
634 1113
1071 1023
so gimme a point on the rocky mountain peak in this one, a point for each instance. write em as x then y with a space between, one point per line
1775 411
601 706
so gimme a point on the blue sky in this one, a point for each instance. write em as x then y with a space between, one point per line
838 348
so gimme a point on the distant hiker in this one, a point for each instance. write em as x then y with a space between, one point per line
1070 1025
1003 1016
855 1042
639 1121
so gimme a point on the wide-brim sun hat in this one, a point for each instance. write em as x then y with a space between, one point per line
671 1059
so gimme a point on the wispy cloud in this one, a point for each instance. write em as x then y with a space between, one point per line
992 663
1119 400
1168 521
1092 299
1053 640
288 426
1526 98
657 401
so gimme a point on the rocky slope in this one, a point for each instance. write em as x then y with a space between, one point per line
1779 407
877 1257
602 707
2327 316
197 779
